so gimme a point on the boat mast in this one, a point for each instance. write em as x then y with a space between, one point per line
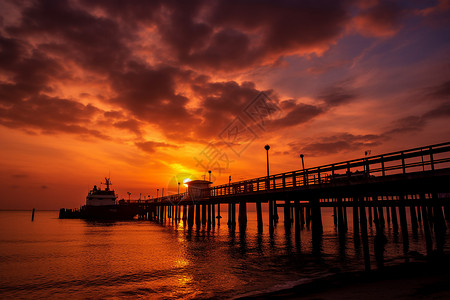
108 182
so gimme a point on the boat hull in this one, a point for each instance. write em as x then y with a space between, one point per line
105 212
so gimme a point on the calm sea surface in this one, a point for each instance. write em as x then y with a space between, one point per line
52 258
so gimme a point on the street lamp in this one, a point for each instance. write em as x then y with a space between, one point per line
129 196
267 147
209 175
271 203
157 193
178 188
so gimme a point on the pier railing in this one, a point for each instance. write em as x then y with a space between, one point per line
421 159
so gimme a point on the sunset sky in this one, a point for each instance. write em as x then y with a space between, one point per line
152 92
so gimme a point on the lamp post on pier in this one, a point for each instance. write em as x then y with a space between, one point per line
271 203
267 147
157 193
178 188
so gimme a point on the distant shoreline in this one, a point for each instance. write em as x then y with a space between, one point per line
56 210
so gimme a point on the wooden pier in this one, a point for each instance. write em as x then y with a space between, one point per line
378 189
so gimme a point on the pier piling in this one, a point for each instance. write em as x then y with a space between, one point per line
259 216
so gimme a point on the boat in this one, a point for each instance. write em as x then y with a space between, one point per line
101 205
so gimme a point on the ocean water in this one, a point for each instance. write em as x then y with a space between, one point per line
53 258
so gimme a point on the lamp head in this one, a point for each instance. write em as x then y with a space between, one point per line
267 147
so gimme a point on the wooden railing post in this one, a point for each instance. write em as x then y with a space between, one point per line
383 171
367 168
431 159
318 175
403 162
294 183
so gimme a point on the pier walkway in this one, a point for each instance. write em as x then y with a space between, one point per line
378 189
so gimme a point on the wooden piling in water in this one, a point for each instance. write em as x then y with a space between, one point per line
426 228
439 227
197 216
218 214
376 219
438 214
334 216
381 215
394 219
344 209
213 215
191 216
388 215
229 215
292 214
447 211
209 217
403 223
184 214
370 218
308 216
297 219
355 219
419 214
364 237
233 215
414 225
242 216
287 215
340 217
32 215
271 217
302 217
275 211
316 214
259 216
203 214
176 214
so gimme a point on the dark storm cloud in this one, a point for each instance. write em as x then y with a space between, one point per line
380 19
406 124
151 146
239 34
62 29
150 94
298 114
221 102
108 41
29 70
50 115
338 143
337 95
441 91
414 124
227 35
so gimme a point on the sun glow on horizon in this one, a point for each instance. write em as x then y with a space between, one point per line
185 181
